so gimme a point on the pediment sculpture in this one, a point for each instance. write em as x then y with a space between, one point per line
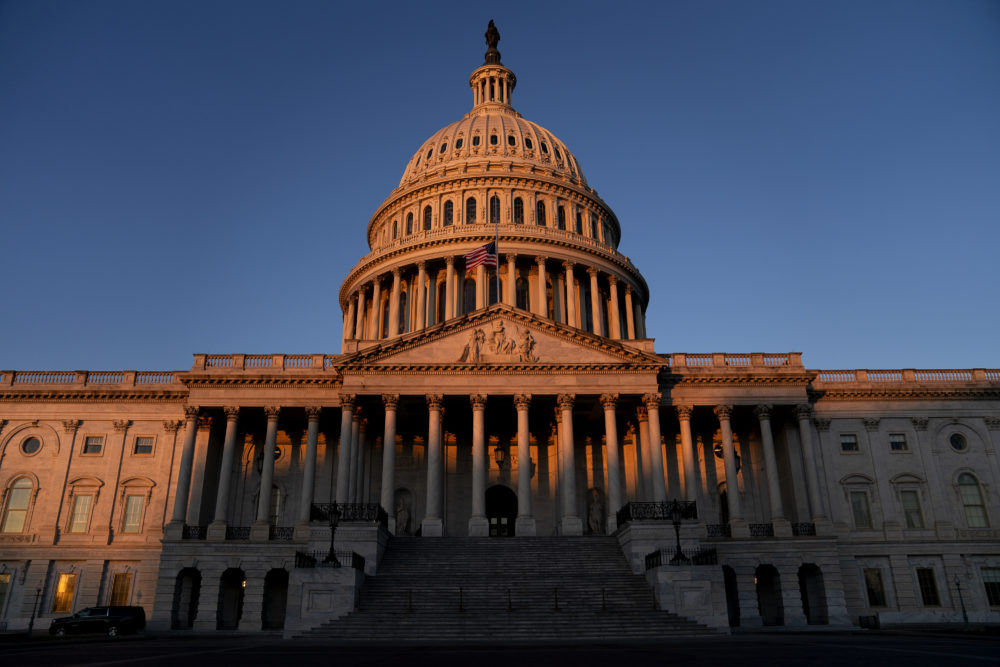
497 345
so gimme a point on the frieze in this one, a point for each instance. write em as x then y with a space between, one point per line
498 346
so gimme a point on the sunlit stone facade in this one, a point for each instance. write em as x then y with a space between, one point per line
522 400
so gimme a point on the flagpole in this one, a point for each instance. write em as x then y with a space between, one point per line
496 247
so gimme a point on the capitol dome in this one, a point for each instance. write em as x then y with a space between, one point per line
493 176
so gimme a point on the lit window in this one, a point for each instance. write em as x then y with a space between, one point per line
518 211
62 601
121 586
874 587
897 442
972 501
911 509
449 213
16 512
928 587
133 515
861 510
494 209
470 211
143 445
93 444
31 446
848 442
80 516
991 580
540 214
958 442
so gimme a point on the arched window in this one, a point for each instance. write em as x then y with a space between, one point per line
550 300
540 214
494 209
395 229
527 143
403 312
409 224
493 140
511 141
593 226
521 293
579 222
468 295
518 211
15 515
458 143
972 501
475 140
470 211
562 217
444 147
427 218
449 213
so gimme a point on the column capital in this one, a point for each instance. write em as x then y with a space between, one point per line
170 425
449 261
357 412
71 425
391 401
822 424
478 401
396 271
568 265
641 414
510 257
723 412
763 412
609 401
566 401
522 401
652 400
612 279
593 271
232 412
121 425
803 411
435 401
204 423
312 412
347 401
272 412
422 265
191 411
541 259
628 289
684 412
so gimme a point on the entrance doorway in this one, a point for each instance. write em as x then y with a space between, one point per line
501 510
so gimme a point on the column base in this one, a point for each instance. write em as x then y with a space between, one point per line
570 525
739 529
479 526
824 527
174 531
302 532
260 531
431 527
216 532
782 527
524 526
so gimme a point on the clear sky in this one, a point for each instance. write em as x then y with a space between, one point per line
196 176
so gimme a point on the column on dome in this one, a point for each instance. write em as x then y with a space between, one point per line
344 448
510 293
479 526
571 318
782 528
217 529
525 522
375 324
541 296
421 297
609 402
349 319
595 303
613 319
629 314
449 288
804 415
391 402
481 289
433 524
394 304
688 453
569 522
735 507
359 331
657 482
260 531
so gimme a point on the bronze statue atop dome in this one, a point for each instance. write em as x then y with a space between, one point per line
492 37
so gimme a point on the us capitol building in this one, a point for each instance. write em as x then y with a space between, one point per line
494 429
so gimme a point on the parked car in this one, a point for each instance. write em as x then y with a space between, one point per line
110 621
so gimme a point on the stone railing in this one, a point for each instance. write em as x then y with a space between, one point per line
666 557
908 376
722 360
636 511
263 362
87 378
312 559
363 512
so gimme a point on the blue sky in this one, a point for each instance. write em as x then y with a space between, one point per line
196 176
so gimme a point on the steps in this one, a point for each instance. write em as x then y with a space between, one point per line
523 588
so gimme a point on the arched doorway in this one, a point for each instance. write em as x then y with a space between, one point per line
813 594
275 599
769 595
232 585
187 588
501 510
732 596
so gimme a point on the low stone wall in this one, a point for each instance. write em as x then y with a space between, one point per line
698 593
318 595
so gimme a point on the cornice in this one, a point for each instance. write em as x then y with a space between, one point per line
904 394
259 382
96 396
501 369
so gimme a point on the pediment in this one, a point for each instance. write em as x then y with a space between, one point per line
501 336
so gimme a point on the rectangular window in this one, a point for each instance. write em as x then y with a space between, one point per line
133 515
928 587
848 442
897 442
62 602
873 584
121 585
81 514
143 445
861 510
991 579
93 444
911 509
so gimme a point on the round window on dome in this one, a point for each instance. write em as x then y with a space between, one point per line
958 442
458 142
31 446
444 147
527 143
511 141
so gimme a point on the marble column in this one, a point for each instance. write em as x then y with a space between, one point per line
479 526
309 472
344 448
433 524
613 320
642 453
569 523
449 288
609 402
525 523
352 482
804 414
259 531
595 303
217 529
421 297
186 467
781 525
394 323
391 402
737 525
629 315
658 482
570 296
359 324
376 321
688 453
510 293
541 296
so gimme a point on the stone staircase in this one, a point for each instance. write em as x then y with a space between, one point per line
522 588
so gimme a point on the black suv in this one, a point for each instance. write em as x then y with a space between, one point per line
110 621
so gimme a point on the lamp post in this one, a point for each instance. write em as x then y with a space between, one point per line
334 517
961 601
676 514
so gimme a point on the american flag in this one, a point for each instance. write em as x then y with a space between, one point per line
485 255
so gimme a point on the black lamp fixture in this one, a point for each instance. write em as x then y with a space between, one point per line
500 455
676 514
334 518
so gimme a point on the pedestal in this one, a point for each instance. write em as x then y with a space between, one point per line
570 525
524 526
431 527
479 526
216 532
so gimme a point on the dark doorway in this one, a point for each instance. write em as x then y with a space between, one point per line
186 591
232 586
501 510
769 604
732 596
813 594
275 599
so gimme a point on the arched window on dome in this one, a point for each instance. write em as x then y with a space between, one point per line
494 209
511 141
468 295
395 229
409 224
518 211
545 148
586 313
579 222
430 153
527 143
475 140
458 143
603 304
444 147
521 293
972 501
427 218
404 320
550 299
555 148
540 214
493 140
561 217
593 226
385 319
470 211
449 213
